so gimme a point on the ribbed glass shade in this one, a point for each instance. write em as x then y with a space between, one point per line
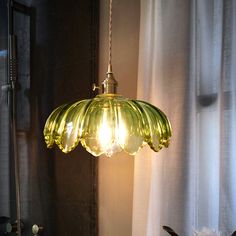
107 124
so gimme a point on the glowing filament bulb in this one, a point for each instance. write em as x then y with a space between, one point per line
111 138
104 135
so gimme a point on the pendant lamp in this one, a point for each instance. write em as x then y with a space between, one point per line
108 123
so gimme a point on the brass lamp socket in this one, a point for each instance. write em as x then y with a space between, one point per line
109 85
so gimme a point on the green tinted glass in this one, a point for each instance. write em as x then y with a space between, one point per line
106 125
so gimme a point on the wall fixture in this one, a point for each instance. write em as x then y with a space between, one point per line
108 123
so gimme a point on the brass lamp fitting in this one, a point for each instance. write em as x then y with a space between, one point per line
109 85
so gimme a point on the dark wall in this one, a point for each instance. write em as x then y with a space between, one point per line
58 191
4 117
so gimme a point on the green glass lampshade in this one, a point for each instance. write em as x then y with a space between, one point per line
107 124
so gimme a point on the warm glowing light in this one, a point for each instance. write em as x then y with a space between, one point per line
111 138
104 135
108 124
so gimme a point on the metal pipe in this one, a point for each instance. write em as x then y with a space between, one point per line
12 75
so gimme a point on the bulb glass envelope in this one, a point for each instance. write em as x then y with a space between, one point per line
107 124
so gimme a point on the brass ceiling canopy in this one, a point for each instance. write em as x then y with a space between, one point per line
108 123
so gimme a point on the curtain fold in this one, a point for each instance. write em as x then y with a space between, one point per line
187 69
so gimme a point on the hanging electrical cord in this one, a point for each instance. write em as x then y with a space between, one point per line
110 39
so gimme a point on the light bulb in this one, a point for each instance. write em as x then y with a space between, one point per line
111 137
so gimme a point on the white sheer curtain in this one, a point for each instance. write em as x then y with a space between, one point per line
187 67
